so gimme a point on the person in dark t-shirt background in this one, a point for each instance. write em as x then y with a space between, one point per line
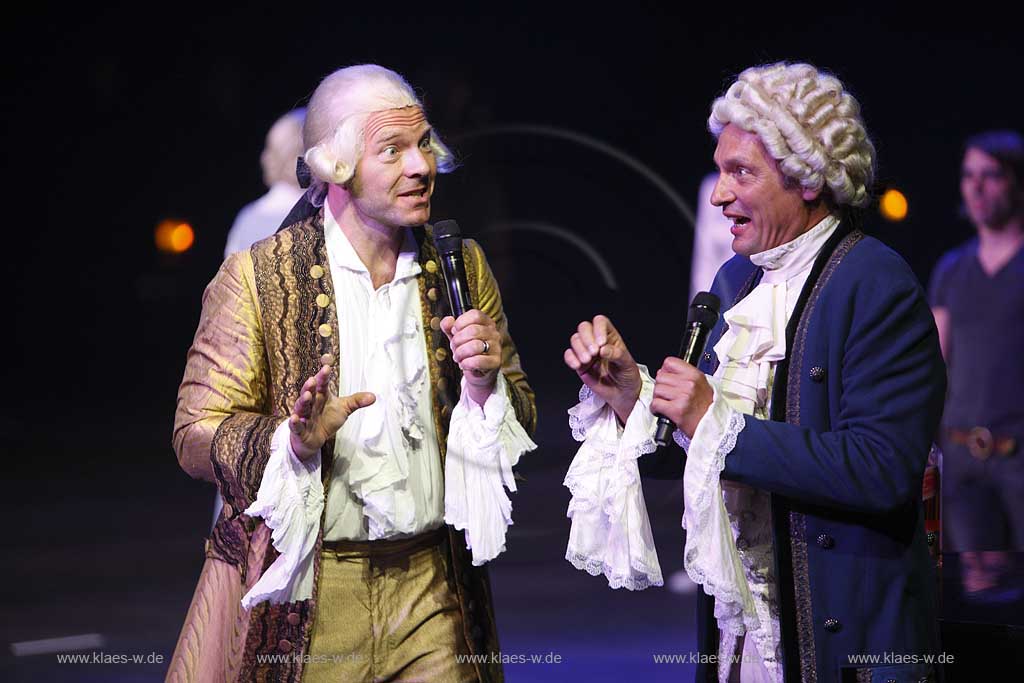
977 296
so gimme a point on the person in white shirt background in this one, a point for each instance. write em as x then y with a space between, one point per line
262 217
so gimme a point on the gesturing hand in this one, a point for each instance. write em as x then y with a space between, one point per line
599 356
317 415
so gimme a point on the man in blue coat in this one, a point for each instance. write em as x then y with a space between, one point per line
808 422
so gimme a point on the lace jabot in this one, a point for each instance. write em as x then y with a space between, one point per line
756 334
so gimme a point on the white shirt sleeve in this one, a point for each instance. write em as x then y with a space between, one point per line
484 444
290 501
610 532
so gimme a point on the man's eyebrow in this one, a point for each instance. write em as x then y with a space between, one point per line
389 134
386 135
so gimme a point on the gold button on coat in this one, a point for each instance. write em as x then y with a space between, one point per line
316 272
324 330
440 354
432 293
435 323
442 383
322 300
431 266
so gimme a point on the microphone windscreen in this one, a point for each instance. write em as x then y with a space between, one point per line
447 237
704 309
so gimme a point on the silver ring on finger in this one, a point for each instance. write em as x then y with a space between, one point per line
487 347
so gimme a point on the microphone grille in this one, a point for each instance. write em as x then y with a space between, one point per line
704 309
447 237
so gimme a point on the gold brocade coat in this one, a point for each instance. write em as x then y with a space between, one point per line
268 316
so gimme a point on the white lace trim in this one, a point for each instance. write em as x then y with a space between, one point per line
484 444
290 501
710 556
637 581
610 531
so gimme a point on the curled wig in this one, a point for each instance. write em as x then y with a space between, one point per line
808 123
337 114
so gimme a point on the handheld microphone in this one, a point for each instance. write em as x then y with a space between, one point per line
448 239
702 317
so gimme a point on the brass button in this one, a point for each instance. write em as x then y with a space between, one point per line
435 323
431 266
324 330
442 383
440 355
446 411
322 300
432 293
284 645
316 272
294 618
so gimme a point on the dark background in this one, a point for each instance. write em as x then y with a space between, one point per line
119 118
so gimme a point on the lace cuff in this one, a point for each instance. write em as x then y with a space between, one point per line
610 532
710 556
484 444
290 501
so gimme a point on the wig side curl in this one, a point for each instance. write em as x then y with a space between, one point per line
808 123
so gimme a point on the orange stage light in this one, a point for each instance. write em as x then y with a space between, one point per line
174 237
893 206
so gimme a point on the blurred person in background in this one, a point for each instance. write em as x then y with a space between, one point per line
977 297
263 217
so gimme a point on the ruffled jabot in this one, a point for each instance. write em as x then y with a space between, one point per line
756 333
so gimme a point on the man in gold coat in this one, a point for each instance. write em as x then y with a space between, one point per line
364 492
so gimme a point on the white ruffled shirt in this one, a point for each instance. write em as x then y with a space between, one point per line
728 542
387 480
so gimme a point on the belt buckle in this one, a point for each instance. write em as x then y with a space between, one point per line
980 442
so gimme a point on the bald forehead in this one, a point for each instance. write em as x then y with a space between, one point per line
393 122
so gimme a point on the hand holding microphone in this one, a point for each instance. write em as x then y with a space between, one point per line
474 337
682 394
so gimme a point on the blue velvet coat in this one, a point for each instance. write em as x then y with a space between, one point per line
855 406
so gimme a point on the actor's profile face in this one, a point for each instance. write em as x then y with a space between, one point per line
987 189
765 211
394 178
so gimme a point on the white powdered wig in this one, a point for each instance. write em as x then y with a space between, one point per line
337 114
808 123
